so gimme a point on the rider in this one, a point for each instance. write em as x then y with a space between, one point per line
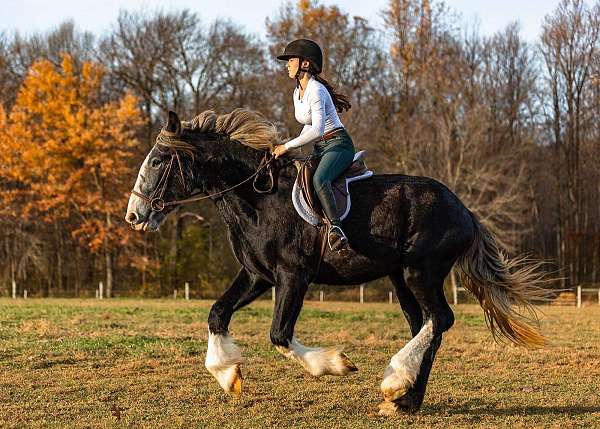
316 105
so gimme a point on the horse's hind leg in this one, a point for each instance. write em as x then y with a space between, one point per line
223 357
289 298
421 295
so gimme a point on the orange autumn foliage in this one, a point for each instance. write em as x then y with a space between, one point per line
314 15
66 151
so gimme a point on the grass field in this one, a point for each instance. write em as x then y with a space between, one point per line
139 363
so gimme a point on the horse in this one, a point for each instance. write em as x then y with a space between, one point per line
410 229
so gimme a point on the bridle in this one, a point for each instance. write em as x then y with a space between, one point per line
158 204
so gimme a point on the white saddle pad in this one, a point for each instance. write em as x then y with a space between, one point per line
304 210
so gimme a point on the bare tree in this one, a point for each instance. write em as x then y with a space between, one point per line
17 53
569 44
353 60
440 117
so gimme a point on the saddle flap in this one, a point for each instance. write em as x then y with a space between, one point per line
305 176
356 171
357 168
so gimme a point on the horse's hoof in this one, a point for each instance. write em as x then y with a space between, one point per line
391 409
236 385
390 395
339 363
347 362
230 379
388 409
396 383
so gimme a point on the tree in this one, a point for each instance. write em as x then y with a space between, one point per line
172 62
569 47
18 53
353 59
439 121
67 152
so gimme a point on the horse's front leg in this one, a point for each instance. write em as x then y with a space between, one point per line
289 297
224 357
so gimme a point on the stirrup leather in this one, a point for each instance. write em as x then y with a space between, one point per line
341 241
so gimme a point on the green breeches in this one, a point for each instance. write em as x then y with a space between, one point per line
336 155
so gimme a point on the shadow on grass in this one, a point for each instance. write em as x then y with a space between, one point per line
479 408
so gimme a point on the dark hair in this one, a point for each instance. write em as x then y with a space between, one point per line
340 101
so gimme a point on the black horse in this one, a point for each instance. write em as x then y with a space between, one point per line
411 229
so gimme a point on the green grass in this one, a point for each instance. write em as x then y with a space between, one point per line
136 363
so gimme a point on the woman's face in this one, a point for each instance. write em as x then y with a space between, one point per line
292 66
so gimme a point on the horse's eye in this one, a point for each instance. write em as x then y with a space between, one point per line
155 163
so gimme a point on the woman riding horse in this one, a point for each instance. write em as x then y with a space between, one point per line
411 229
316 105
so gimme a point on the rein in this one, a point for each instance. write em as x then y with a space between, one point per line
158 204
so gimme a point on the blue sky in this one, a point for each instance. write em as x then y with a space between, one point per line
40 15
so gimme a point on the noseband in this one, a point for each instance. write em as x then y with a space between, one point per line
158 204
156 201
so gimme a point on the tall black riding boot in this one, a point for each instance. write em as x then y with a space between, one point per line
336 237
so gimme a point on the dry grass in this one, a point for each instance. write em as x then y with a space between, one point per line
134 363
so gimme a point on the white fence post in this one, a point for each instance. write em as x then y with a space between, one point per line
391 299
14 289
362 294
97 295
100 290
321 296
273 294
174 293
578 296
25 294
454 284
187 291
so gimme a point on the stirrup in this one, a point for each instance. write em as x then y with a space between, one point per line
341 242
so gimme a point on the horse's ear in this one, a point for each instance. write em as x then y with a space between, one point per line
173 123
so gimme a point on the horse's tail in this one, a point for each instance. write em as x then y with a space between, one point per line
498 283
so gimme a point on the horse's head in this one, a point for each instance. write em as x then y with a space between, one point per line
210 154
161 180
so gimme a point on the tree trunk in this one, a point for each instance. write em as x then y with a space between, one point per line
59 263
108 259
77 271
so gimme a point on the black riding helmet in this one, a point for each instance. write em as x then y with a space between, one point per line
304 49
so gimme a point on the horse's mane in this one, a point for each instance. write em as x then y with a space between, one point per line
246 126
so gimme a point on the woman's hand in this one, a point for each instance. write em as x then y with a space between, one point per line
279 151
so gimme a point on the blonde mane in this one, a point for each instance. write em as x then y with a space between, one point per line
248 127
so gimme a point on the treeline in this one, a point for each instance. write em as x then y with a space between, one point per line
512 127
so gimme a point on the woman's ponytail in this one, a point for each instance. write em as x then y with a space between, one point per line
340 101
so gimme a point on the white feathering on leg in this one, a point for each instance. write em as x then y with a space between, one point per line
223 358
318 361
404 366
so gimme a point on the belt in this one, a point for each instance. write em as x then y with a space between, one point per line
330 134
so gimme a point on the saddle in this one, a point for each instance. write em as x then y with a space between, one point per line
307 203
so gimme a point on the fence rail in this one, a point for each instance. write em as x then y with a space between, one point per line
576 295
581 290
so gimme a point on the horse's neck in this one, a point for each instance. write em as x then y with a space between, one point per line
242 205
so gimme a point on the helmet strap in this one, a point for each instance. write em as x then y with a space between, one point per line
300 70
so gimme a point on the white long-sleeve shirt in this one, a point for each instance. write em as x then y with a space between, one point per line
316 111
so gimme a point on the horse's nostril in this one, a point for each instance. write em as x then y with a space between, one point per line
131 217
